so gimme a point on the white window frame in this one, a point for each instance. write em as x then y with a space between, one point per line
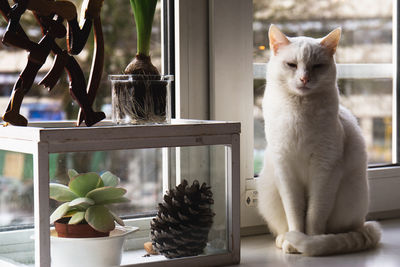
214 78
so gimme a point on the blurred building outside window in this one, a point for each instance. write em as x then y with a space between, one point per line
364 61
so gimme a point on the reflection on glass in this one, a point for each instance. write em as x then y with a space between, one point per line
16 208
366 39
207 164
140 171
16 190
119 49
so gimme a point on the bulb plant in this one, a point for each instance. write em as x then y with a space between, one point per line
142 97
85 200
143 11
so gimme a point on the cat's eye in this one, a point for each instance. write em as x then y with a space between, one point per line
317 66
291 65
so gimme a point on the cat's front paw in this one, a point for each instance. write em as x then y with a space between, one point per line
288 248
279 241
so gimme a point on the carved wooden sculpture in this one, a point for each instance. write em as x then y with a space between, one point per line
98 59
50 16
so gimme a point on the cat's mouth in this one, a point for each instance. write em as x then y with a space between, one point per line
303 88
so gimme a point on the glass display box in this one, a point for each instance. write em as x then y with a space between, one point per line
149 159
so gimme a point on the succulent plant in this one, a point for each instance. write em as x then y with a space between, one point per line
85 199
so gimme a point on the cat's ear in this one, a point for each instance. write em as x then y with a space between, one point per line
331 41
276 39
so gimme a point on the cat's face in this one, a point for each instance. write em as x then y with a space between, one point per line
303 65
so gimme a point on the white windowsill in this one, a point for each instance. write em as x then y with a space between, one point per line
260 251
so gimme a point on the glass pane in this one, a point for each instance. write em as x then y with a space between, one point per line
366 39
119 49
16 208
370 100
206 164
139 170
16 190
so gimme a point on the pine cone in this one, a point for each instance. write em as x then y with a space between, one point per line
184 219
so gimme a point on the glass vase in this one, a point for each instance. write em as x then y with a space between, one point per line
141 99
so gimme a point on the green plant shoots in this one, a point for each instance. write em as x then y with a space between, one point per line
143 11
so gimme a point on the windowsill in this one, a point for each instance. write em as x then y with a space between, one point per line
129 257
260 251
138 256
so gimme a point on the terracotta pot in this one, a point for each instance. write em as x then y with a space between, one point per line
81 230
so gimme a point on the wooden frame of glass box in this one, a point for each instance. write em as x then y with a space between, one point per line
41 139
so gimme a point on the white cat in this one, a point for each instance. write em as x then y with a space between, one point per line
313 189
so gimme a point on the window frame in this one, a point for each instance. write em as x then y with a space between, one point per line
384 180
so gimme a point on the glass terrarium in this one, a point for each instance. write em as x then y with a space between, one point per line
150 161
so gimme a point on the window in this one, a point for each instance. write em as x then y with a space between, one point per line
367 77
214 75
364 59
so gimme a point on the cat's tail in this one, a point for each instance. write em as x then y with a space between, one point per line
363 238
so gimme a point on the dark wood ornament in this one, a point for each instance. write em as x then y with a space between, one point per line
50 16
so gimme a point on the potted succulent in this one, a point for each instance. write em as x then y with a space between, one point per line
141 95
85 233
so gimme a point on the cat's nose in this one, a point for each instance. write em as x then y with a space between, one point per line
304 79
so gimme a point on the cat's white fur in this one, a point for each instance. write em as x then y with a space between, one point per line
313 189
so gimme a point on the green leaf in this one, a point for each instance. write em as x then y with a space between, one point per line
117 219
102 194
85 182
81 201
143 11
109 179
61 193
72 173
70 212
113 201
77 217
59 212
100 218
